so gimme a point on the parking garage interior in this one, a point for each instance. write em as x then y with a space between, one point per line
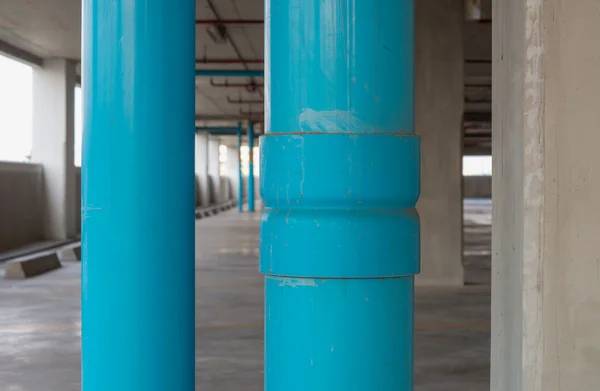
271 241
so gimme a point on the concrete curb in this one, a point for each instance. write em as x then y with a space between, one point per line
214 209
70 254
31 266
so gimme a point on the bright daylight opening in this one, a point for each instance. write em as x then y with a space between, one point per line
16 106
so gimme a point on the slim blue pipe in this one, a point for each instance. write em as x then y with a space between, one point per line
229 73
250 167
339 179
240 177
138 196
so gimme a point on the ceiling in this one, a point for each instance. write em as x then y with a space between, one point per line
51 28
478 83
45 28
246 41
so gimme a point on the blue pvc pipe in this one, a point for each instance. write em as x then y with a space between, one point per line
251 167
138 196
240 176
229 73
339 179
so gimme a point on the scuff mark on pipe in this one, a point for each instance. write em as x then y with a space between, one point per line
296 282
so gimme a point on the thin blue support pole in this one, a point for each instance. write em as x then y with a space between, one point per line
339 179
240 176
229 73
251 205
138 196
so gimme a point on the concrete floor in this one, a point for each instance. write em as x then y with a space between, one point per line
40 318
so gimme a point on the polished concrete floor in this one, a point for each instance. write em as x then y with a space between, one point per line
40 318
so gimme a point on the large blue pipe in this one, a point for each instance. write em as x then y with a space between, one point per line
138 196
229 73
340 180
251 205
240 176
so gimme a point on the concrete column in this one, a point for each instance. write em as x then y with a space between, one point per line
201 163
473 9
138 196
546 187
233 162
53 145
439 84
339 180
238 169
213 168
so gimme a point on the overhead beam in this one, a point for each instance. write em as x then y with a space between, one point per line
241 101
230 117
224 131
479 21
21 55
477 150
250 87
229 61
230 21
229 73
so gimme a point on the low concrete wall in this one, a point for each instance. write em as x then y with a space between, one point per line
256 187
219 190
77 205
21 204
198 194
224 189
213 189
477 187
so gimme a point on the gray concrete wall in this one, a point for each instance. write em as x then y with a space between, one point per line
508 207
21 204
478 42
438 120
201 163
197 193
477 186
233 158
213 168
486 9
216 194
215 190
53 142
77 202
546 251
256 187
212 190
225 193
